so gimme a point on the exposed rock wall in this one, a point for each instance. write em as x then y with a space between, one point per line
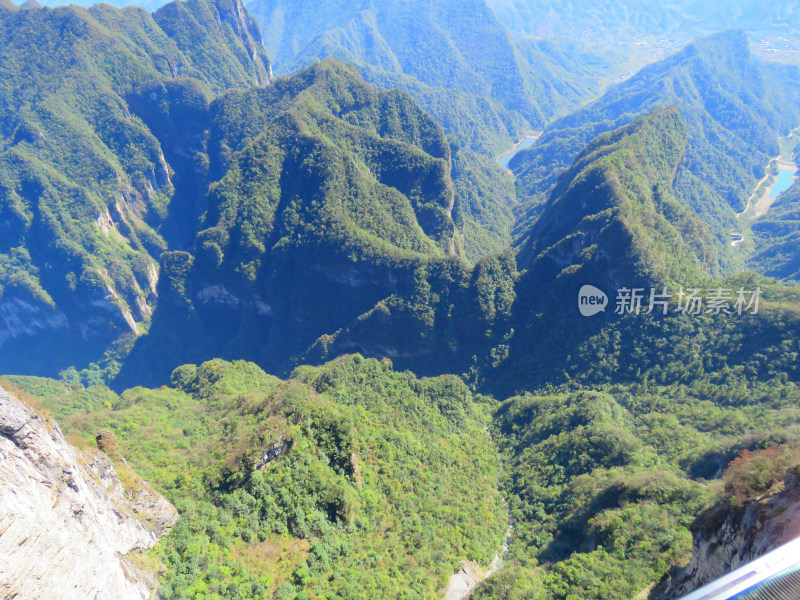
66 520
726 538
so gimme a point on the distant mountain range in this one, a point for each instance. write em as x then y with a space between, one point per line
583 19
455 47
734 108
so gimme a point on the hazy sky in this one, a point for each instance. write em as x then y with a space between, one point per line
148 4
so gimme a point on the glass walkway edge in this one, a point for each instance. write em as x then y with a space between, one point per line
774 576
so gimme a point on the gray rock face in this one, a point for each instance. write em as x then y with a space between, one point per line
66 521
725 539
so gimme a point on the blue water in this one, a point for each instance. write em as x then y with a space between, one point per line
785 181
504 159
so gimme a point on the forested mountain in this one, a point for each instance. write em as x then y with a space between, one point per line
335 363
88 199
328 197
777 238
460 64
609 462
613 221
734 109
319 216
383 479
105 171
605 484
617 200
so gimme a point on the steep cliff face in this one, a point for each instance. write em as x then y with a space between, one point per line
66 520
726 538
93 190
204 31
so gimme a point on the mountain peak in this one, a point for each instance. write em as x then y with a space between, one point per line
329 67
196 26
727 48
732 38
614 212
660 138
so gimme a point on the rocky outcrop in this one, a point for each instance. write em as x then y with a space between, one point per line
67 522
727 538
464 581
274 452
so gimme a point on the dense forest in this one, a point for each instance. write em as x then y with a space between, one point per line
485 87
89 201
345 481
776 236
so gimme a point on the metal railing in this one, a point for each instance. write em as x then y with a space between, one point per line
774 576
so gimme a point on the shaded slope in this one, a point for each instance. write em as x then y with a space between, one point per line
85 188
777 238
330 196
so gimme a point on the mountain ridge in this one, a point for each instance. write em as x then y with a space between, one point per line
85 184
727 102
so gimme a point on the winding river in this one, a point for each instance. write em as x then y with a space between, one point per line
771 185
530 138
